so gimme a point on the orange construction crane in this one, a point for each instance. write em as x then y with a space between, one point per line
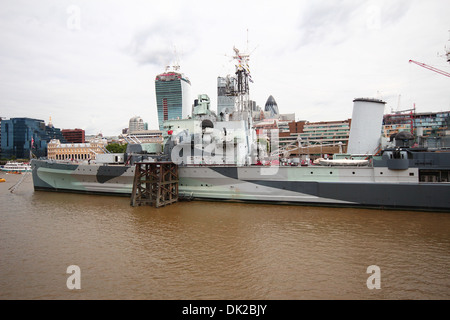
430 68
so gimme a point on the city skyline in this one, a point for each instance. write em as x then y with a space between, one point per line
92 65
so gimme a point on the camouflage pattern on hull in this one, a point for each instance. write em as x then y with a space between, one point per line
343 186
82 178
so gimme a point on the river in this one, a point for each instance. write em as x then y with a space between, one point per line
214 250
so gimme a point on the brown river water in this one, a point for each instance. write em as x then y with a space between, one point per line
215 250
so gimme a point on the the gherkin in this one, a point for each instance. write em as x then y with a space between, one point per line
271 106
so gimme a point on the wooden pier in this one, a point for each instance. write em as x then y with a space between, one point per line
155 184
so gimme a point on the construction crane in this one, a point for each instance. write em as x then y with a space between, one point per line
430 68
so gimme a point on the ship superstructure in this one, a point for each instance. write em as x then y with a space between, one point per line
208 138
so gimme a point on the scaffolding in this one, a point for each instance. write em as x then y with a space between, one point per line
155 184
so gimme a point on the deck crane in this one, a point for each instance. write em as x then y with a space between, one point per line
430 68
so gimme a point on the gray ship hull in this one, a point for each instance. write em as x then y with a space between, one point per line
376 187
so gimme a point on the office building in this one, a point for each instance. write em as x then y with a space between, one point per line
326 132
422 124
315 139
271 107
173 99
225 101
74 135
21 137
136 124
430 129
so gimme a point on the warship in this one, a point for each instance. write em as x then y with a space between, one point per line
221 157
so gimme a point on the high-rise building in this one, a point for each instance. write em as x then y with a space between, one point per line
136 124
172 96
271 107
225 101
74 135
22 136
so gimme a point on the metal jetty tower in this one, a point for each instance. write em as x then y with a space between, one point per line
155 183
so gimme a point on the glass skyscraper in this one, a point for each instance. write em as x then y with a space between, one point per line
271 107
172 96
225 102
19 136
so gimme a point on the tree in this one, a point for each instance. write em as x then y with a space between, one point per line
116 148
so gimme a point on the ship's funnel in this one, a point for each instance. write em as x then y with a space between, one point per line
365 131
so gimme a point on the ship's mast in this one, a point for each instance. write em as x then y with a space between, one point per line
241 85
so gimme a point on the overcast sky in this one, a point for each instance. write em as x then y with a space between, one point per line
92 64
